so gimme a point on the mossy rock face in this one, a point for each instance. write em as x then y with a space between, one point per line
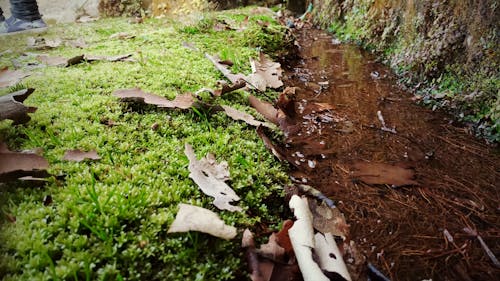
450 47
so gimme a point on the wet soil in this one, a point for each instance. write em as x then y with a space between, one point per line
402 230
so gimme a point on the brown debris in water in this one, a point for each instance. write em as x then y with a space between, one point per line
399 231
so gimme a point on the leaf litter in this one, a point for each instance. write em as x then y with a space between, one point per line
78 155
382 173
12 107
184 101
10 78
62 61
194 218
210 177
16 165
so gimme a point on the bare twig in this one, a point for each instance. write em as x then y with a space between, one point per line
384 127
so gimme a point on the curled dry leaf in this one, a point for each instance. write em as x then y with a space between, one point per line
15 165
302 238
77 155
239 115
12 107
328 220
266 109
269 263
229 88
270 145
381 173
122 36
210 177
41 43
184 101
61 61
224 69
193 218
265 73
11 77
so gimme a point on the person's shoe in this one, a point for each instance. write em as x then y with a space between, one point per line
2 18
13 24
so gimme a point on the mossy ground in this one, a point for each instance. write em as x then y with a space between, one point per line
109 218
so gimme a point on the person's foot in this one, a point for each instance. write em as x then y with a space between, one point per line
14 25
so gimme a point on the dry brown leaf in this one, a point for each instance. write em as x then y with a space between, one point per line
210 178
266 109
12 107
121 36
85 19
225 88
11 77
78 43
60 61
125 57
77 155
239 115
270 145
15 165
193 218
283 239
265 73
328 220
184 101
224 69
41 43
52 61
381 173
272 250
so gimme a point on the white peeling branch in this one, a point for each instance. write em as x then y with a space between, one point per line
302 238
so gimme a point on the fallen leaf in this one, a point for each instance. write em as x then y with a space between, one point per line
193 218
184 101
272 250
224 69
78 43
60 61
15 165
210 178
11 77
85 18
12 107
77 155
268 263
11 218
52 61
47 200
266 109
229 88
189 45
121 36
41 43
125 57
328 220
239 115
254 265
283 239
276 151
265 73
381 173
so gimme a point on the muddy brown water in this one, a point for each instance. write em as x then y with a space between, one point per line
401 230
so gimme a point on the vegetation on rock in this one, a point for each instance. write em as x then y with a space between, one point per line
447 51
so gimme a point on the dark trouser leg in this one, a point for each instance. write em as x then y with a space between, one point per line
2 18
25 10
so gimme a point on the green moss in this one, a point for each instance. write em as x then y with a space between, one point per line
109 218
